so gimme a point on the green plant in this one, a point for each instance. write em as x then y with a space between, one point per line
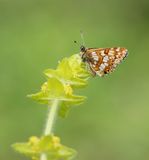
57 93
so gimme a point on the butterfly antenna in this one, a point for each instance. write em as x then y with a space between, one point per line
82 37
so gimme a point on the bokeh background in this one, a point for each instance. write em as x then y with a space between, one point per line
113 124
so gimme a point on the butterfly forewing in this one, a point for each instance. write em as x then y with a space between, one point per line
104 60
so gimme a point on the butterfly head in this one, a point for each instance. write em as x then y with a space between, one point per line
83 53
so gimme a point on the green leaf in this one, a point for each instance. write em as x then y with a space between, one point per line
54 89
49 145
50 90
64 110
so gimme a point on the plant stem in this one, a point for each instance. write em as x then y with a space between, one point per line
50 122
51 117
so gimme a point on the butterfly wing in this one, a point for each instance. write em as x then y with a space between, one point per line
104 60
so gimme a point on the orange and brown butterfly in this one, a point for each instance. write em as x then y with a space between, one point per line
102 61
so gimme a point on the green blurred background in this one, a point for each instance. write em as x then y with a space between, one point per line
113 124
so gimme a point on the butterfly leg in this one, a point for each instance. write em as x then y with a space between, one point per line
92 72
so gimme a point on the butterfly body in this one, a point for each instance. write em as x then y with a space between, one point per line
102 61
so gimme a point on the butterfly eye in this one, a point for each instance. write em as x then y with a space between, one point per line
82 48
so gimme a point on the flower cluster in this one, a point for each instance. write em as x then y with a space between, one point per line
61 83
49 145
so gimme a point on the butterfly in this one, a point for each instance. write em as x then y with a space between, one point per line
102 61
